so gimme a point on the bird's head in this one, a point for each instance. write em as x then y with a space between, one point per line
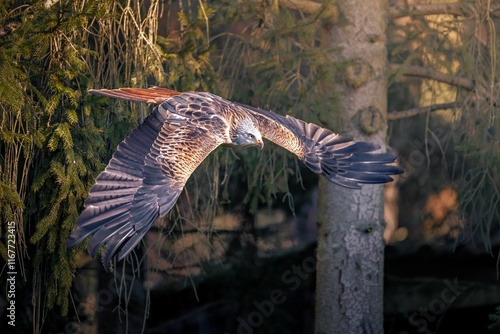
247 134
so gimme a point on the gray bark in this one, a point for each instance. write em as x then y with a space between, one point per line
349 292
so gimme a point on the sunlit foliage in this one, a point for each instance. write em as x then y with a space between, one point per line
464 48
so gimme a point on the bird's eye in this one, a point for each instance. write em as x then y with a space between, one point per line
251 136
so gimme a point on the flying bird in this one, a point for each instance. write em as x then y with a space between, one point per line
150 167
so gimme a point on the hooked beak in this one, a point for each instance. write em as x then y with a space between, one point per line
260 144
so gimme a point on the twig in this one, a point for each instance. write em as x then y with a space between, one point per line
429 73
311 7
9 28
393 115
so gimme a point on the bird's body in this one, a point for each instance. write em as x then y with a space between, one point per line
150 167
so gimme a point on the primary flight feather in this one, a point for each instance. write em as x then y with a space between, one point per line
150 167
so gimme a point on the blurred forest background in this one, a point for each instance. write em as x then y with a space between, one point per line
247 218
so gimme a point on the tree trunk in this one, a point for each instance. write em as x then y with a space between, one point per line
349 295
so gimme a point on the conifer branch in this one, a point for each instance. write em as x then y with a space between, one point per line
429 73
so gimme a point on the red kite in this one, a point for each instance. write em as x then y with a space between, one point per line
151 166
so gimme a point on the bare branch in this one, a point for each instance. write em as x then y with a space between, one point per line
458 9
427 9
429 73
393 115
310 7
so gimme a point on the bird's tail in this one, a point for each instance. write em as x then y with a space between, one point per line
153 95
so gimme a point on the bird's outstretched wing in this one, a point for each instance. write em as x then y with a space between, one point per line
340 159
143 180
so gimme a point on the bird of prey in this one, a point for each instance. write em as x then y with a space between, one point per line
151 166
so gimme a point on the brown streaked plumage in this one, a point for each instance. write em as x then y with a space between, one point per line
150 167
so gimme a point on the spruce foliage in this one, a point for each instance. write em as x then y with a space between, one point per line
495 320
55 139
